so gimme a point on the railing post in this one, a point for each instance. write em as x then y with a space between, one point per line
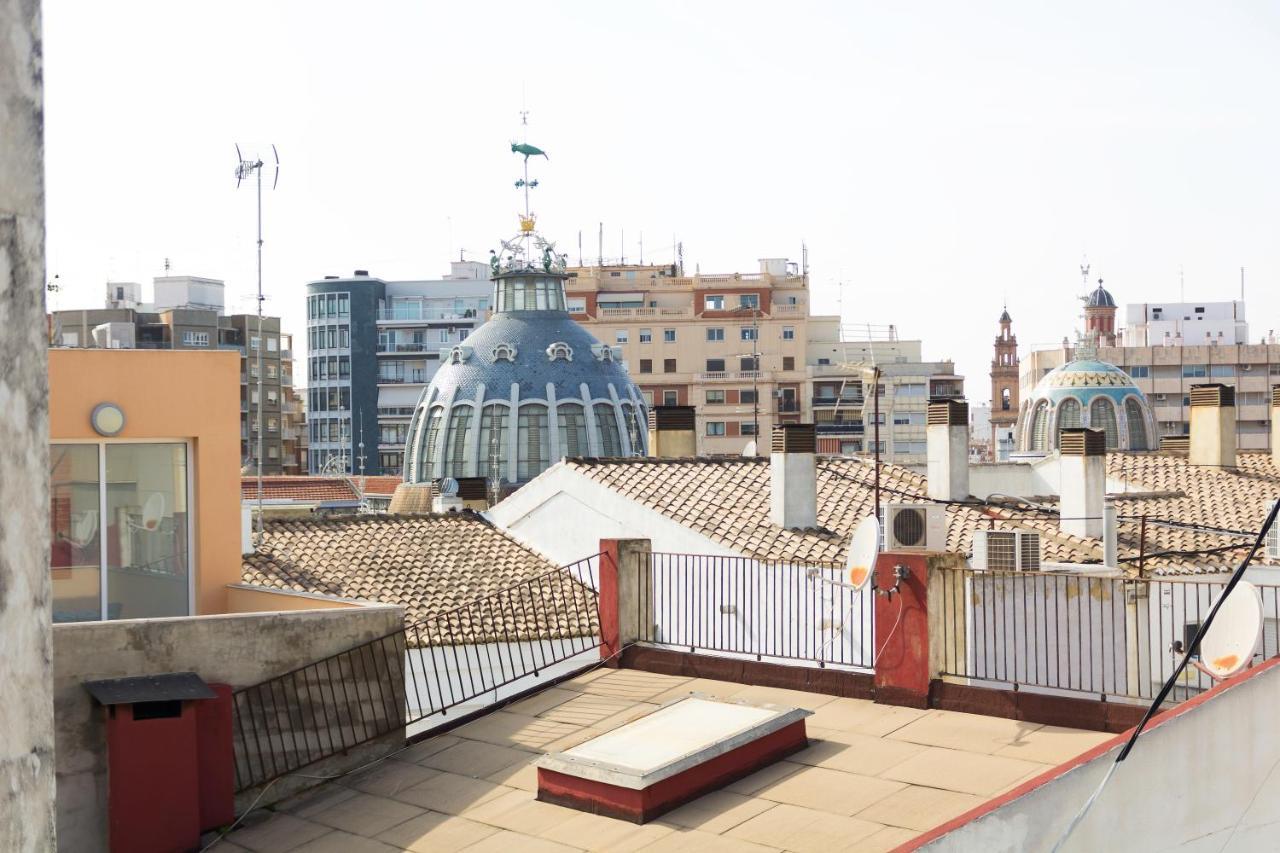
908 654
626 587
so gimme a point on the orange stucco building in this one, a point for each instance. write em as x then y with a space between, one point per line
144 482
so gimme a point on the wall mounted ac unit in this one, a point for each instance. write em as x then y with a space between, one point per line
1005 551
1273 538
913 527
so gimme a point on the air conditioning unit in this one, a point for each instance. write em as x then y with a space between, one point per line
1005 551
913 527
1273 538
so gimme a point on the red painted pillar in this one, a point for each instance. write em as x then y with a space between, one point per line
609 623
902 631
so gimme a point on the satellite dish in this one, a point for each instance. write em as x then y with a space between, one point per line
1228 646
750 450
448 486
864 548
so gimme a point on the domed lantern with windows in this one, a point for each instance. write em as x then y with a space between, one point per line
1086 393
528 387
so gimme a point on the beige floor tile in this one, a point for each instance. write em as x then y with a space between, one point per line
586 709
1053 744
883 841
969 732
522 776
365 814
705 686
763 777
506 729
506 841
717 812
919 808
635 712
784 697
855 753
278 833
436 833
632 684
345 842
830 790
702 842
965 772
569 741
596 832
582 679
430 746
518 811
388 778
451 793
862 716
318 800
543 700
476 758
803 830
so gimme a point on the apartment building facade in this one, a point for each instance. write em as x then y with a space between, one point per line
842 375
373 346
732 346
204 328
1166 348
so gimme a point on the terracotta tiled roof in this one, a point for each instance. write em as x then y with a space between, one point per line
728 500
1166 486
379 486
301 489
431 564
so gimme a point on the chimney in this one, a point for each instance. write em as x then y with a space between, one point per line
793 476
673 432
246 530
1213 425
1082 456
1275 425
947 436
1110 536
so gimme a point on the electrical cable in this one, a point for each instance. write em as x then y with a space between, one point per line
897 620
1192 648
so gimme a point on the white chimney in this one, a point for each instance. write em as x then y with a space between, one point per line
1082 456
1213 425
947 436
793 476
246 529
1110 536
1275 425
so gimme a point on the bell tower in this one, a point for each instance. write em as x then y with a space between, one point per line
1004 386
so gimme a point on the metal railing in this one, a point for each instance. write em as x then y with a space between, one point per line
458 660
1103 636
762 609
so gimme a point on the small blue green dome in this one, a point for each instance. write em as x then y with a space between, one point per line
1087 393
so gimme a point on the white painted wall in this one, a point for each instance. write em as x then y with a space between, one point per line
1205 780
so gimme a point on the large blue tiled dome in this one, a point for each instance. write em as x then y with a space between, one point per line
1086 393
524 390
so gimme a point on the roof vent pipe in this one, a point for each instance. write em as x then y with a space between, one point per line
947 444
793 476
1213 425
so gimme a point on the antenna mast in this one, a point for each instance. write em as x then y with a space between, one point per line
245 169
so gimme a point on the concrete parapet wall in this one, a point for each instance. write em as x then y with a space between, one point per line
239 650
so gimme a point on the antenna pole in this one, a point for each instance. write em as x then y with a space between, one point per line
261 347
875 390
600 247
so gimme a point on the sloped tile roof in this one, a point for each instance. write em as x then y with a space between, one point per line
302 489
727 500
380 486
459 577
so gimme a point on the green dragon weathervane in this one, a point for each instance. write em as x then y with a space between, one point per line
514 254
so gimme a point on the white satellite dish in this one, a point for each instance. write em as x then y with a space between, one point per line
864 548
750 450
1228 646
152 512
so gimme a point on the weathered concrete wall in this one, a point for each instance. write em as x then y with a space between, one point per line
239 650
1203 778
26 714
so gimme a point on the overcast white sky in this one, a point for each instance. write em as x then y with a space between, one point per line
937 158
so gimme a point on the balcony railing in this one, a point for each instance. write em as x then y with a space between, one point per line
642 313
416 377
733 375
785 310
840 427
408 313
410 347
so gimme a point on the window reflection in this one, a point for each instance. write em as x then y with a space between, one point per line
146 490
76 552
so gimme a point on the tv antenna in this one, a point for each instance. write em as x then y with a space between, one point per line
246 168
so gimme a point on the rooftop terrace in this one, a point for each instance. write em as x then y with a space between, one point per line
873 777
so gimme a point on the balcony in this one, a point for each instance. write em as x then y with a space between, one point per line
785 310
840 427
414 377
388 349
843 400
644 313
416 313
734 376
